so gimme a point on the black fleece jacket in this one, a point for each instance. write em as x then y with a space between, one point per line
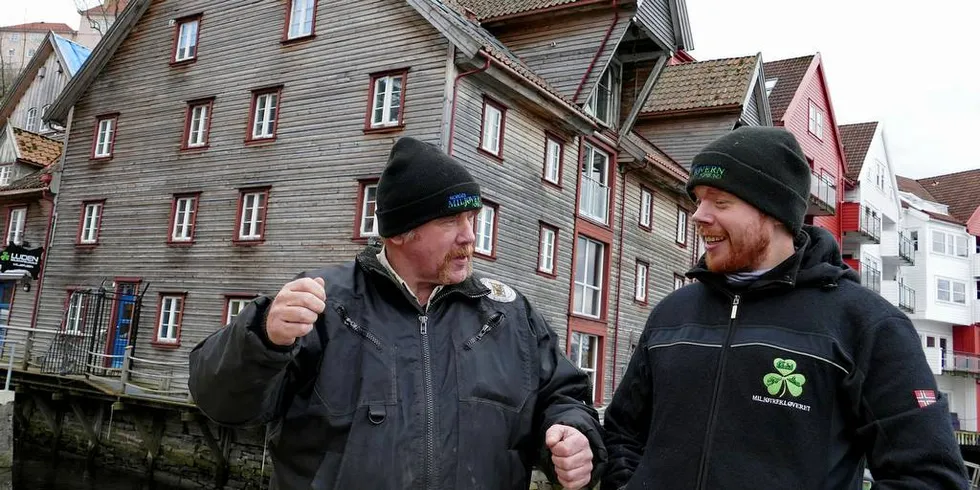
795 381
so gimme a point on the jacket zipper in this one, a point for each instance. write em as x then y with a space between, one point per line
359 330
713 413
429 458
488 327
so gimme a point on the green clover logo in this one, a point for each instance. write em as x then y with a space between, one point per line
784 381
4 256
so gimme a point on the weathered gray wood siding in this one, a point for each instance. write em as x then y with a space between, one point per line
750 114
312 167
561 48
655 16
682 138
42 91
634 76
524 200
35 228
658 248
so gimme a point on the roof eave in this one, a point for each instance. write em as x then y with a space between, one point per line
714 110
97 60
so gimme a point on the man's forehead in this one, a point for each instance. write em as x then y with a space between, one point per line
705 191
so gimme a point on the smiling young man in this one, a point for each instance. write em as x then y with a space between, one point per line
401 370
777 369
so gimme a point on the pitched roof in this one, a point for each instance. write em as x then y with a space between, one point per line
911 186
960 191
702 85
73 53
790 74
488 9
110 6
39 27
37 149
856 139
937 216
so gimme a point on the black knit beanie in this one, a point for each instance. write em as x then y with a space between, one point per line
764 167
419 184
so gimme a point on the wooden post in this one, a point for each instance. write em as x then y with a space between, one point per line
151 439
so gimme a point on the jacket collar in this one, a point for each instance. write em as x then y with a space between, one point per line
368 260
783 276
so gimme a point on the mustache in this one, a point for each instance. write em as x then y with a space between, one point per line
464 252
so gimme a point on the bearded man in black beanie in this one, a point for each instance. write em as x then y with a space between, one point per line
776 369
401 369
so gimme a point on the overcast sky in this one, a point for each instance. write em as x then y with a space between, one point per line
913 68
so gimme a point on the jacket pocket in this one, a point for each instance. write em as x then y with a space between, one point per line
357 368
493 364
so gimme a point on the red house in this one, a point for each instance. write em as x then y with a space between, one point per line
800 101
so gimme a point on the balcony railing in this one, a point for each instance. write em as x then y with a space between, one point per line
871 277
961 362
906 297
594 201
824 191
870 224
906 248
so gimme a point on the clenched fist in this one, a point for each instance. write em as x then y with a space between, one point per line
295 310
571 454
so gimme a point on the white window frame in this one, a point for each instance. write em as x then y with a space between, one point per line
641 276
594 195
679 282
816 121
386 108
587 249
183 228
366 231
301 16
197 127
646 207
5 172
253 210
105 135
680 234
951 291
492 137
16 222
187 32
771 84
611 78
264 118
234 306
75 318
880 174
592 364
45 126
91 222
485 220
553 156
546 249
30 122
953 244
171 307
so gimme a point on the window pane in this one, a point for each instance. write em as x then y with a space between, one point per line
938 242
369 222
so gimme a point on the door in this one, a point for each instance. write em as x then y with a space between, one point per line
125 309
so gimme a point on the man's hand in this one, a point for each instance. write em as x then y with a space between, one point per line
295 309
572 455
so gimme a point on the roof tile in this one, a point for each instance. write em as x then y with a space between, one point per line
856 139
701 85
960 191
790 74
37 149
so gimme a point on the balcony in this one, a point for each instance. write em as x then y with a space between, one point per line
870 277
962 363
823 196
906 248
594 201
906 298
860 224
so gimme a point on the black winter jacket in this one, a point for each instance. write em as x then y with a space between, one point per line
795 381
385 394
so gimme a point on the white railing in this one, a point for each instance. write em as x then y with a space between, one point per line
594 201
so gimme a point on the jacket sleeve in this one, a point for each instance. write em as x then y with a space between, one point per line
239 378
627 420
907 445
564 397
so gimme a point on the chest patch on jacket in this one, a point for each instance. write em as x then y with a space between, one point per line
499 291
784 385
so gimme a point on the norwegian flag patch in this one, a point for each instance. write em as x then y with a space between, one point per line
924 397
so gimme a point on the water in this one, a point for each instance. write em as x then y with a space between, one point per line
34 470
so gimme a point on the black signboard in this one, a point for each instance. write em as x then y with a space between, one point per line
15 257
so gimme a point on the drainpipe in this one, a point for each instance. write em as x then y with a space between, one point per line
452 110
602 47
